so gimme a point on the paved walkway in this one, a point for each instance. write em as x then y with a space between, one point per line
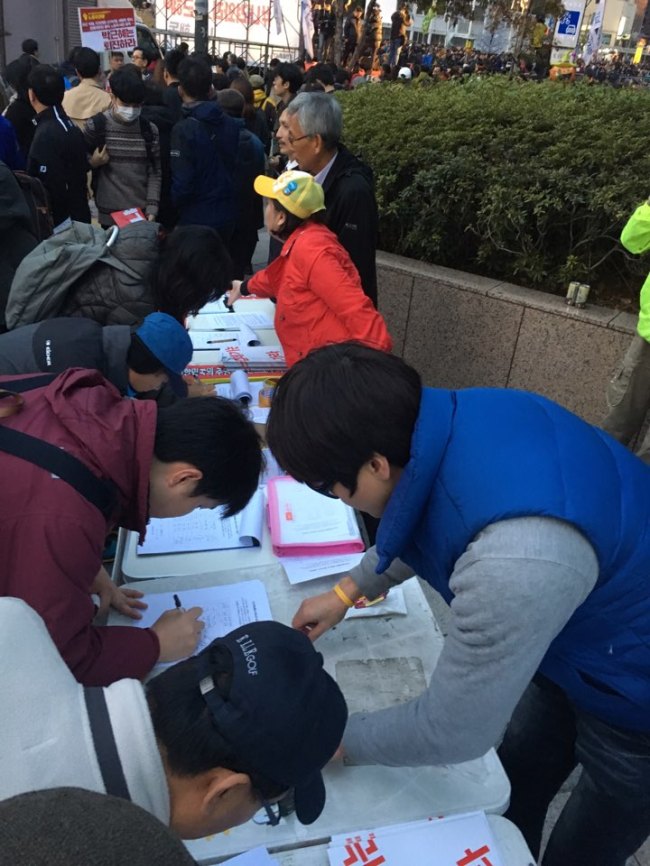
441 613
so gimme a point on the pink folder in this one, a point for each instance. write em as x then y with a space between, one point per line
279 489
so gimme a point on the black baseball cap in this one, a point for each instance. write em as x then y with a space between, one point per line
284 714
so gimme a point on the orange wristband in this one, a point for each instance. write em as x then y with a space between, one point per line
347 601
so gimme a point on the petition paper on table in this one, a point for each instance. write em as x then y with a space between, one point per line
206 529
224 607
214 321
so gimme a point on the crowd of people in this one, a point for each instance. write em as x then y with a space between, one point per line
529 522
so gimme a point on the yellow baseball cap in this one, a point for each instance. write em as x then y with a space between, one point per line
296 191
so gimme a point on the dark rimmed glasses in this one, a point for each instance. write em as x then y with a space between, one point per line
324 490
273 815
293 140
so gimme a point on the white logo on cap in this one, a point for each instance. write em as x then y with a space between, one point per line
249 650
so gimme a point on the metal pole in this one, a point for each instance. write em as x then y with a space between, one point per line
267 50
3 50
201 26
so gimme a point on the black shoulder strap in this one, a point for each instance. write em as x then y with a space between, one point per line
99 492
99 125
147 133
29 384
108 757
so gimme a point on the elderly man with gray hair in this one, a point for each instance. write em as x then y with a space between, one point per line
315 124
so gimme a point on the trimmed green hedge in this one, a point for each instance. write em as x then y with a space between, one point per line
521 181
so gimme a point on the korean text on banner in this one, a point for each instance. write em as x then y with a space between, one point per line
108 29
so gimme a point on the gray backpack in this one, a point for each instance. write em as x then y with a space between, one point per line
117 264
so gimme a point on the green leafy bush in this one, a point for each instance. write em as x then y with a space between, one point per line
520 181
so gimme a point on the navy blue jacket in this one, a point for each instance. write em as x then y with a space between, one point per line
10 152
479 456
203 157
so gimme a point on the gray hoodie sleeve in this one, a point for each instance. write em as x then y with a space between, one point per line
372 584
515 587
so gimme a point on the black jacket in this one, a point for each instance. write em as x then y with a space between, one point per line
57 157
21 115
16 236
173 101
163 117
352 214
250 164
55 345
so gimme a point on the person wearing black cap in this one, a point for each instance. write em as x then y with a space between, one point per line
203 746
138 362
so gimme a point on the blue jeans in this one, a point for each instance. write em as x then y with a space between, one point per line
395 48
607 816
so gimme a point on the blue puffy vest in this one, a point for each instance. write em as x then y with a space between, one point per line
483 455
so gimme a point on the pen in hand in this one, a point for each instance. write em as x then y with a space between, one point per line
177 602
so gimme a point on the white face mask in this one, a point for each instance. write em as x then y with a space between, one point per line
126 112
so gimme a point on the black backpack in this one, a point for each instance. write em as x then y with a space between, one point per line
40 218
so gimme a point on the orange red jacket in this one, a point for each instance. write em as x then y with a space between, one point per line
319 295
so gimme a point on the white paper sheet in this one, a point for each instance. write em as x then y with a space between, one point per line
247 336
254 857
224 607
460 840
219 306
205 529
271 467
213 341
223 389
214 321
302 568
307 517
393 604
258 414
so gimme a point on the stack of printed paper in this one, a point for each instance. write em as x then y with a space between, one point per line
460 840
253 358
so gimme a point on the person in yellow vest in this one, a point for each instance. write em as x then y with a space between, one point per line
628 394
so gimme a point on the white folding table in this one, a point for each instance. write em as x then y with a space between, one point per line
377 661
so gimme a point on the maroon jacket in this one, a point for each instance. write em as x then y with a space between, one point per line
52 538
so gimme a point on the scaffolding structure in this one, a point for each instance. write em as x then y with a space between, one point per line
252 15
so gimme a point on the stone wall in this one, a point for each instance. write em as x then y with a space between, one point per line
461 330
